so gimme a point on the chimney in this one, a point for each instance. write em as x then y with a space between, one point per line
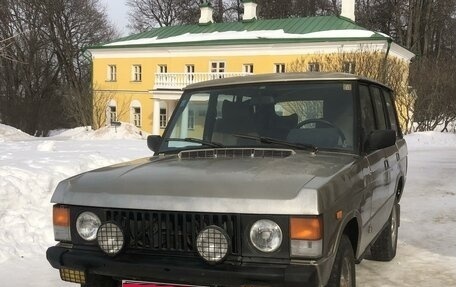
250 12
348 9
206 13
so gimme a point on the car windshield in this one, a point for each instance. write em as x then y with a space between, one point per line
304 114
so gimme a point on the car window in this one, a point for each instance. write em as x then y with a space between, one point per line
367 111
379 110
391 111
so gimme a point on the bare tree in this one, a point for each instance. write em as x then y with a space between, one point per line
147 14
46 69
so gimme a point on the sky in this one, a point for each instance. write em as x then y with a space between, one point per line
31 167
118 14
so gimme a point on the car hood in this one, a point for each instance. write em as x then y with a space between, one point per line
229 185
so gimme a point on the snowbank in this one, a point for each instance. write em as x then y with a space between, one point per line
10 133
430 140
124 131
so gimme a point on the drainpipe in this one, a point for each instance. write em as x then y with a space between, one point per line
385 61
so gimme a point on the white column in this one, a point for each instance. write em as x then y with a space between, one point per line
156 118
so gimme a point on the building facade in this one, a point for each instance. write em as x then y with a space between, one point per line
139 78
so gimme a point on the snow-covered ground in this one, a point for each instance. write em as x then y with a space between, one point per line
30 168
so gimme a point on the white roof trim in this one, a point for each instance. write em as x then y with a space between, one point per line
246 35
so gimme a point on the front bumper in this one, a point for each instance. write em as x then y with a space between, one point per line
182 270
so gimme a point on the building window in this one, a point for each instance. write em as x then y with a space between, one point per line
218 70
162 69
190 69
247 68
112 73
112 114
279 68
136 73
314 67
191 119
137 116
348 67
163 118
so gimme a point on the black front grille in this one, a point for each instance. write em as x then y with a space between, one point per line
172 232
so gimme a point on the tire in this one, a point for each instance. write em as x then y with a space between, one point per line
343 271
99 281
385 246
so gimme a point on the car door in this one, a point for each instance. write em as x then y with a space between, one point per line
372 163
381 204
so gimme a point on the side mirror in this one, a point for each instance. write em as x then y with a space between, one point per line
154 143
380 139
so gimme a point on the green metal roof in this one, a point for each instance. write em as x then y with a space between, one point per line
290 26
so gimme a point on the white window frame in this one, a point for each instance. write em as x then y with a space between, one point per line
137 116
348 67
163 117
314 67
111 74
136 73
162 69
189 69
191 119
279 68
247 68
112 114
218 69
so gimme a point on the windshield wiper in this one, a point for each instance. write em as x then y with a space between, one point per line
194 140
268 140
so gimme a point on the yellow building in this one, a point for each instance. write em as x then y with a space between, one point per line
139 78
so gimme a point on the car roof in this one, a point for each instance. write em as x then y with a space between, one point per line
280 77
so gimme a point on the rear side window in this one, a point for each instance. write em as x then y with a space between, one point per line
379 110
391 111
367 112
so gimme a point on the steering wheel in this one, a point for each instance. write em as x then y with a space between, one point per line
322 121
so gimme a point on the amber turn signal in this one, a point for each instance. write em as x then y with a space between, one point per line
306 228
61 215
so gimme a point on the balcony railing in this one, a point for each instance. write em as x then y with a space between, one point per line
177 81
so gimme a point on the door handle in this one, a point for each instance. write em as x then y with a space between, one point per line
398 157
386 164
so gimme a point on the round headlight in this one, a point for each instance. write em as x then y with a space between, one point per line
212 244
87 225
110 238
266 235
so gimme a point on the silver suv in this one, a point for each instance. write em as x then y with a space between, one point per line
268 180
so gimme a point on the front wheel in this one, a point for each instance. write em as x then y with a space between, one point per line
384 248
343 271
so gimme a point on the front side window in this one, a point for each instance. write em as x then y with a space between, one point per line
378 107
367 111
136 73
319 114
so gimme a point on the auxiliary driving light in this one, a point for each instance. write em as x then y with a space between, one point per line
212 244
72 275
110 238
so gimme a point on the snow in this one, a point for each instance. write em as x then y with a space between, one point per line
31 167
247 35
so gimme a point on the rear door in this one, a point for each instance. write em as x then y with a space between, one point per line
381 199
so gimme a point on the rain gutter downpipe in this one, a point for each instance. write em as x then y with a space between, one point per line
385 61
